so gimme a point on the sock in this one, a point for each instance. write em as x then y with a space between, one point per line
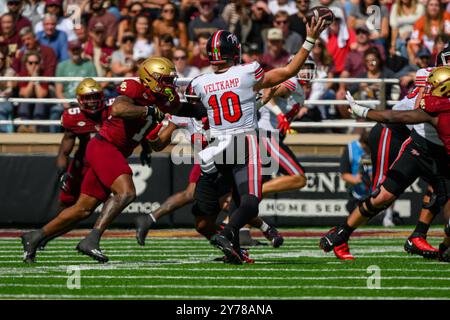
347 230
94 235
421 228
264 227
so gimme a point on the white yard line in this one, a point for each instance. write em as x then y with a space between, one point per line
177 286
207 297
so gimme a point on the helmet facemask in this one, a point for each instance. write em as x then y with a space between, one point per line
91 102
307 73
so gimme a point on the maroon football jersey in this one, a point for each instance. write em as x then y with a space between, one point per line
439 107
126 134
80 123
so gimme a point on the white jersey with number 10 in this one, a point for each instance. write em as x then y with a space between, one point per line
229 98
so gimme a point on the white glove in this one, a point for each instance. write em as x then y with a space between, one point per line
356 109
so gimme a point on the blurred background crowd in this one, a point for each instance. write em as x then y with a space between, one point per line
109 38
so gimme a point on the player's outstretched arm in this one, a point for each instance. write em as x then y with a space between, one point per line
123 107
388 116
65 148
164 138
278 75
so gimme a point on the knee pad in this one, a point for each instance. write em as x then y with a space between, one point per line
250 204
371 210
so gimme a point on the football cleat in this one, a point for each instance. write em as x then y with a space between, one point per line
246 240
222 243
333 238
343 252
92 250
30 242
444 253
275 238
143 224
417 244
43 243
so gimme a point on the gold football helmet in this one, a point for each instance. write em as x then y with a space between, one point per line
439 81
158 74
90 95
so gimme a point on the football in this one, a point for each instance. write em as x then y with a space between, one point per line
320 11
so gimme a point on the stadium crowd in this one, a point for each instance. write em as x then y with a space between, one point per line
109 38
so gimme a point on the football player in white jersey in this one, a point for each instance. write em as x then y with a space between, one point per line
421 155
229 95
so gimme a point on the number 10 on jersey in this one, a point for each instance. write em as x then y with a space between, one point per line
227 107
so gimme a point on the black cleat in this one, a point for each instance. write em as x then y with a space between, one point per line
222 243
333 238
444 253
30 242
43 243
275 238
143 224
92 250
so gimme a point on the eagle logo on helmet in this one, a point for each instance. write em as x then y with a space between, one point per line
158 74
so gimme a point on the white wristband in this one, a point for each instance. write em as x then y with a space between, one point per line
310 39
308 46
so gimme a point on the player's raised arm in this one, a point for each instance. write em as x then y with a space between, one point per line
159 141
278 75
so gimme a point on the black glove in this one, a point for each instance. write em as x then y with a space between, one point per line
63 178
146 157
157 114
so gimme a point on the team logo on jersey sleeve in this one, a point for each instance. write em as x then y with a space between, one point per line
81 123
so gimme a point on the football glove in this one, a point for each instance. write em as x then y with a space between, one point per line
355 109
283 124
64 178
146 157
153 134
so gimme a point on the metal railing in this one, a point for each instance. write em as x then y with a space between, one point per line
185 81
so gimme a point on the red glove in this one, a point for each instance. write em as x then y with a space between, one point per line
205 123
152 135
283 124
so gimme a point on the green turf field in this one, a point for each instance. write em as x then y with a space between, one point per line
182 268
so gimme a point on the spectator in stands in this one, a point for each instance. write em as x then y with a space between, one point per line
169 23
153 7
324 69
82 33
134 9
32 89
6 89
143 47
339 39
55 7
76 66
354 62
34 10
275 55
296 22
282 5
184 70
261 19
100 15
236 15
292 40
8 35
356 170
199 57
188 10
97 51
30 43
375 70
250 52
122 61
359 14
435 21
15 9
403 15
54 38
439 44
166 46
207 21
